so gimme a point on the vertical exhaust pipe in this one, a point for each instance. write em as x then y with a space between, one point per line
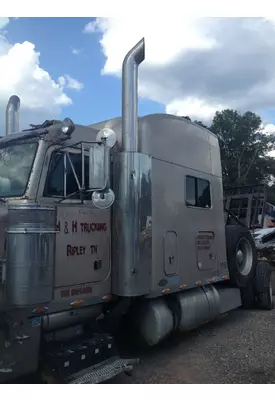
130 96
131 262
12 115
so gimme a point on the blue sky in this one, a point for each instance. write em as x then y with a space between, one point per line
55 38
193 66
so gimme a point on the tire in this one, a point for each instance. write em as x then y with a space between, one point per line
241 255
264 286
248 296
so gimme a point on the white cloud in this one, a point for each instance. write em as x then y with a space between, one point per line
269 128
196 65
190 106
3 22
20 73
76 51
66 81
90 27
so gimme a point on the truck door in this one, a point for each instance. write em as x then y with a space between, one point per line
83 239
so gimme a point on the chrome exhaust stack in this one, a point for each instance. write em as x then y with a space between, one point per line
130 96
12 115
131 263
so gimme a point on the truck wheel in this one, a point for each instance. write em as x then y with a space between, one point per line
248 295
264 286
241 255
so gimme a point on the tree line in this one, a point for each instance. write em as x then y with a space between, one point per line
245 149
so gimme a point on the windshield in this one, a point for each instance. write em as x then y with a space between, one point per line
16 163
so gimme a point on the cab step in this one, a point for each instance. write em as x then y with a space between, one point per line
104 371
87 359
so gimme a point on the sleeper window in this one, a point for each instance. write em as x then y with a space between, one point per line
198 192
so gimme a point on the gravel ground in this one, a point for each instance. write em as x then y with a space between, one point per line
239 347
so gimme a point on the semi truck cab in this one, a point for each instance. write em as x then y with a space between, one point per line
120 219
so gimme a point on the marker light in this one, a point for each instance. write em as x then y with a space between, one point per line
77 303
40 310
107 298
183 287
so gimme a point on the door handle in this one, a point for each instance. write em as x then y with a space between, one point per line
171 260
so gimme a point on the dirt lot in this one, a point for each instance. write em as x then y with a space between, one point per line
237 348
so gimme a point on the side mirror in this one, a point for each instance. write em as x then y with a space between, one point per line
98 170
99 176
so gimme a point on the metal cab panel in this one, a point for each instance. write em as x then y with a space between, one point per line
132 251
177 148
172 139
83 245
82 259
170 250
171 214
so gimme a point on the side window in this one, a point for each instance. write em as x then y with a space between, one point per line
198 192
54 186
